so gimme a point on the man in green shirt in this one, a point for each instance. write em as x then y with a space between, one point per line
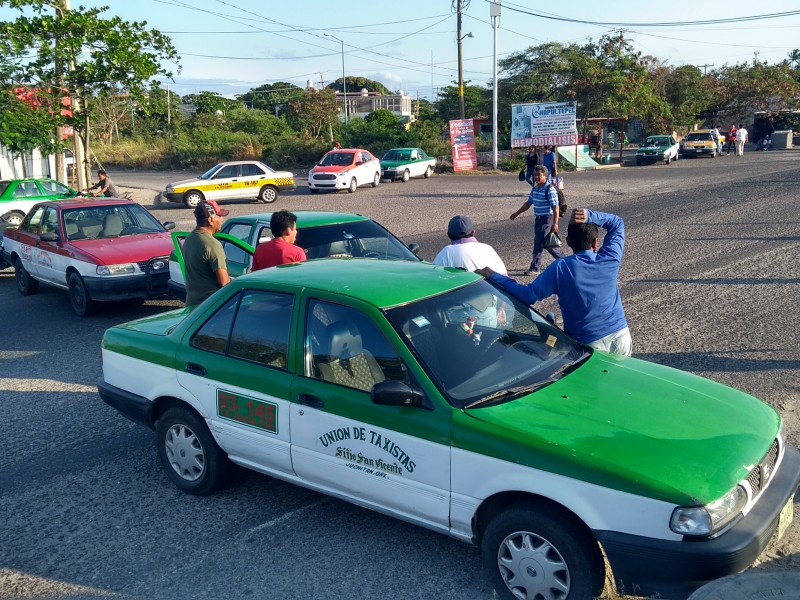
203 256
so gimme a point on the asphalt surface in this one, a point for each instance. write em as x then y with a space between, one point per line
709 282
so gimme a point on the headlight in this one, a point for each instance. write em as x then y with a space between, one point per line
170 189
115 269
343 173
708 519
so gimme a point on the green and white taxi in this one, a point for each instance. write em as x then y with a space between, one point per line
428 394
231 181
405 163
657 148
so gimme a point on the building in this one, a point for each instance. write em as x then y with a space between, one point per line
33 164
360 104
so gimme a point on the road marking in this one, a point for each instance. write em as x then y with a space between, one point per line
8 384
286 516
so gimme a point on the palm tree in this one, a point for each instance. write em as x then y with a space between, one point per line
794 58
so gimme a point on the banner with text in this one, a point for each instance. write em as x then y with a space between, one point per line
462 141
545 124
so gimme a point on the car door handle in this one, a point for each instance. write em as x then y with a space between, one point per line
196 369
310 400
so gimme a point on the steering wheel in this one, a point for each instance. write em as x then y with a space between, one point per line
490 345
371 254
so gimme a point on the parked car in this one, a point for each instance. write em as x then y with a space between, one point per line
98 250
232 181
17 196
405 163
4 264
344 169
397 386
320 234
699 143
657 148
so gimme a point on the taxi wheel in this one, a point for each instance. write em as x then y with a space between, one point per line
532 551
268 194
428 172
353 185
376 180
192 198
188 453
26 284
79 297
14 218
406 176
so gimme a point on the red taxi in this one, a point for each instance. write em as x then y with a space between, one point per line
345 169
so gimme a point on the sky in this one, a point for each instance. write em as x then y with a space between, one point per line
232 46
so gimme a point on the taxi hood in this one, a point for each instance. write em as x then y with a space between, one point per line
636 426
332 168
125 249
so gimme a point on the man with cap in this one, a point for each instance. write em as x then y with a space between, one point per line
203 256
466 252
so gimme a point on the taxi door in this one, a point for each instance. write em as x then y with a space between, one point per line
235 362
28 235
52 258
393 458
226 184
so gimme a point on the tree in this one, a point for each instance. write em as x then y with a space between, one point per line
759 87
210 102
356 84
30 118
82 51
314 113
477 102
794 58
687 94
271 97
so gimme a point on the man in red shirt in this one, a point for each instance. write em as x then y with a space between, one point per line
280 250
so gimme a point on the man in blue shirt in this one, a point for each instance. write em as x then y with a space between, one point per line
544 200
550 160
586 283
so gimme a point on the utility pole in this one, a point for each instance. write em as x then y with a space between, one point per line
169 111
61 171
460 65
705 68
494 13
81 164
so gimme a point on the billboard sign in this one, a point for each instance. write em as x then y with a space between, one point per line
543 124
462 141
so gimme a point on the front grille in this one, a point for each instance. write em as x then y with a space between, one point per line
325 176
761 474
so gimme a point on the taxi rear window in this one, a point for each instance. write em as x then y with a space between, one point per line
3 186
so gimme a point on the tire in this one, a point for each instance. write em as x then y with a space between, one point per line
26 284
532 551
268 194
353 186
313 190
79 297
428 172
638 163
376 181
188 453
406 176
192 198
14 218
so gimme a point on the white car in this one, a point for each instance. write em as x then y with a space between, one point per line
344 169
230 181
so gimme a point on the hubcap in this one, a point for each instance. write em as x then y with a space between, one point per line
532 567
184 452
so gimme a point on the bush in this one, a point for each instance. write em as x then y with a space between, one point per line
511 164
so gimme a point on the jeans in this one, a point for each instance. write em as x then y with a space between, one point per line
541 227
529 175
618 343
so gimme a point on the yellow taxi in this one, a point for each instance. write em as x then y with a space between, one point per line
699 143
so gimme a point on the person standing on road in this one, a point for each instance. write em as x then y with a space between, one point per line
550 161
531 160
464 251
280 250
104 186
544 200
741 140
586 283
203 257
731 140
715 135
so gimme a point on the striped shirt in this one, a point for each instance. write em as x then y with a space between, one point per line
543 199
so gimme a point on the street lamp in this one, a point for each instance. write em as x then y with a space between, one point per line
344 79
461 75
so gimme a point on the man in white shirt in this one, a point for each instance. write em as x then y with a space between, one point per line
741 140
466 252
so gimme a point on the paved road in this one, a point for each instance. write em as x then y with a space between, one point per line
710 281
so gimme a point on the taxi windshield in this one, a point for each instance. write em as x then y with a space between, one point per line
337 159
208 174
698 137
657 141
478 341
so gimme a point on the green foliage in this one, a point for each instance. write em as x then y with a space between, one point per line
25 127
211 102
271 97
477 102
356 84
759 86
314 113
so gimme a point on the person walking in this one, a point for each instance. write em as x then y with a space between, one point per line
531 160
586 283
203 257
280 250
544 200
550 160
715 135
741 140
731 140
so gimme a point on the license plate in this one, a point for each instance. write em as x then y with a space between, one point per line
785 518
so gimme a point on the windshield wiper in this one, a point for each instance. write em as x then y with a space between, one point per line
515 391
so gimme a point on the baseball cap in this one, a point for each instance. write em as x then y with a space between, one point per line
208 208
460 226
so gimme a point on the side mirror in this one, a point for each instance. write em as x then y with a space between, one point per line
550 318
396 393
169 225
49 237
414 248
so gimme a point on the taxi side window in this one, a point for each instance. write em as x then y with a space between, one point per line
251 170
33 222
50 222
252 326
227 172
343 346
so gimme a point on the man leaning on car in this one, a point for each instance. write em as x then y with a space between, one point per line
203 256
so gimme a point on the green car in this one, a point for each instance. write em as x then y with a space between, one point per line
405 163
657 148
321 234
17 196
426 393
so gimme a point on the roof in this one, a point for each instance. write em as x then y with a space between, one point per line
27 179
84 202
347 150
382 283
305 218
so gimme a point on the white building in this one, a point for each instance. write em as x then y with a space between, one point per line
33 164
